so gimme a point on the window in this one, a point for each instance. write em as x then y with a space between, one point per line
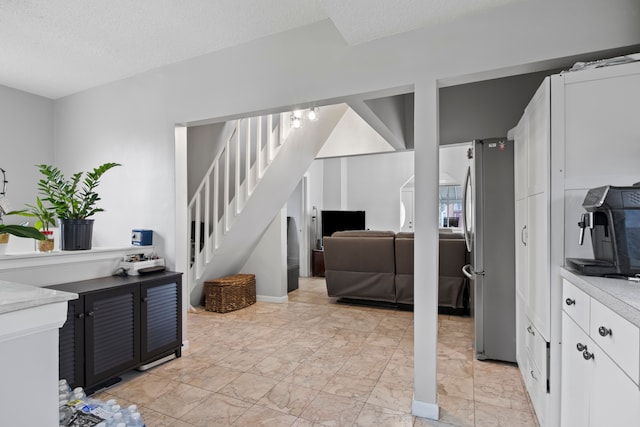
450 206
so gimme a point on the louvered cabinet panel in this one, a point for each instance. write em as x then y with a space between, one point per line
71 350
161 320
118 324
112 333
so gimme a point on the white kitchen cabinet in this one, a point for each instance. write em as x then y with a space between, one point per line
522 237
520 159
575 375
538 308
538 140
596 389
577 132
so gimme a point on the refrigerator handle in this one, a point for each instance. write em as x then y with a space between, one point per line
467 214
466 270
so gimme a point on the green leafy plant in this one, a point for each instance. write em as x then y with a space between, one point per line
22 231
73 198
45 216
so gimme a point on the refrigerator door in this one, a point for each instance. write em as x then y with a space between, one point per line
493 251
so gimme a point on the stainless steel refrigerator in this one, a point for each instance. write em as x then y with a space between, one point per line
489 232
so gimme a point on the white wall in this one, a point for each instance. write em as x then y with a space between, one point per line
353 136
203 144
132 121
26 139
373 185
454 163
268 261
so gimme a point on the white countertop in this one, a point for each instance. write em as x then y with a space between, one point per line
620 295
15 296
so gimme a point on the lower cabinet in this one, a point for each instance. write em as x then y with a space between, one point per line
596 390
118 324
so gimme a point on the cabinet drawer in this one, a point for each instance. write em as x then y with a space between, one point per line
536 348
537 387
617 337
576 304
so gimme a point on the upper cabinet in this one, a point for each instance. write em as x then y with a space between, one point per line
538 137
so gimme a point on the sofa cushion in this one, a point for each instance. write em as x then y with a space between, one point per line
363 233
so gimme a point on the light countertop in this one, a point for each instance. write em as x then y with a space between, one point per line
620 295
15 296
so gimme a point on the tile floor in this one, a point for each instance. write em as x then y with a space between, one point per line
314 362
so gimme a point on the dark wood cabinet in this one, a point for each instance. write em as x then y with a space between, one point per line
317 262
118 324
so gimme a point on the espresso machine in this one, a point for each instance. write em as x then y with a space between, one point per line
613 218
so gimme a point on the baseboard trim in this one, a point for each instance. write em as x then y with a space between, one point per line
425 410
277 300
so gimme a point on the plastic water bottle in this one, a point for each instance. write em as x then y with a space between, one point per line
116 419
78 393
136 420
64 389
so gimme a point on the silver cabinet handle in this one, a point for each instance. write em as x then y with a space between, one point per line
581 347
533 375
522 233
570 301
587 355
604 331
531 331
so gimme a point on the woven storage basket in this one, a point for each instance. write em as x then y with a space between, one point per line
230 293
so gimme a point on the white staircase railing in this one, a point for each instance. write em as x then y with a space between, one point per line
229 183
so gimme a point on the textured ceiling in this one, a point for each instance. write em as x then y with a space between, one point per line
56 48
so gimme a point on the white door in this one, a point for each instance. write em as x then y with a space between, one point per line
406 200
539 308
576 374
615 399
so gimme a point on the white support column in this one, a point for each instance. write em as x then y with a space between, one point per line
425 314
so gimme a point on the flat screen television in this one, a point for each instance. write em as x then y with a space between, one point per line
342 220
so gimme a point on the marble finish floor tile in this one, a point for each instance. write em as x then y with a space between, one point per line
313 362
329 409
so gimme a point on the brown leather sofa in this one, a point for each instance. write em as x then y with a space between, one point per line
378 266
360 265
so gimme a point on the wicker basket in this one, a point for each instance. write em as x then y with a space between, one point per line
230 293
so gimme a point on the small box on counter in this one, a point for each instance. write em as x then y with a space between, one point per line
140 237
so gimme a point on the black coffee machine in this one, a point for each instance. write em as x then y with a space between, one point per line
613 218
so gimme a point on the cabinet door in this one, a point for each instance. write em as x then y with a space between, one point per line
538 139
112 329
520 167
615 399
522 256
539 309
161 318
71 345
576 373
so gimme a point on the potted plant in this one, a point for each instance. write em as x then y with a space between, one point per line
45 218
74 201
18 231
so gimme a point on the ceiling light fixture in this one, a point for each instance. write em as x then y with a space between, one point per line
297 116
312 114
